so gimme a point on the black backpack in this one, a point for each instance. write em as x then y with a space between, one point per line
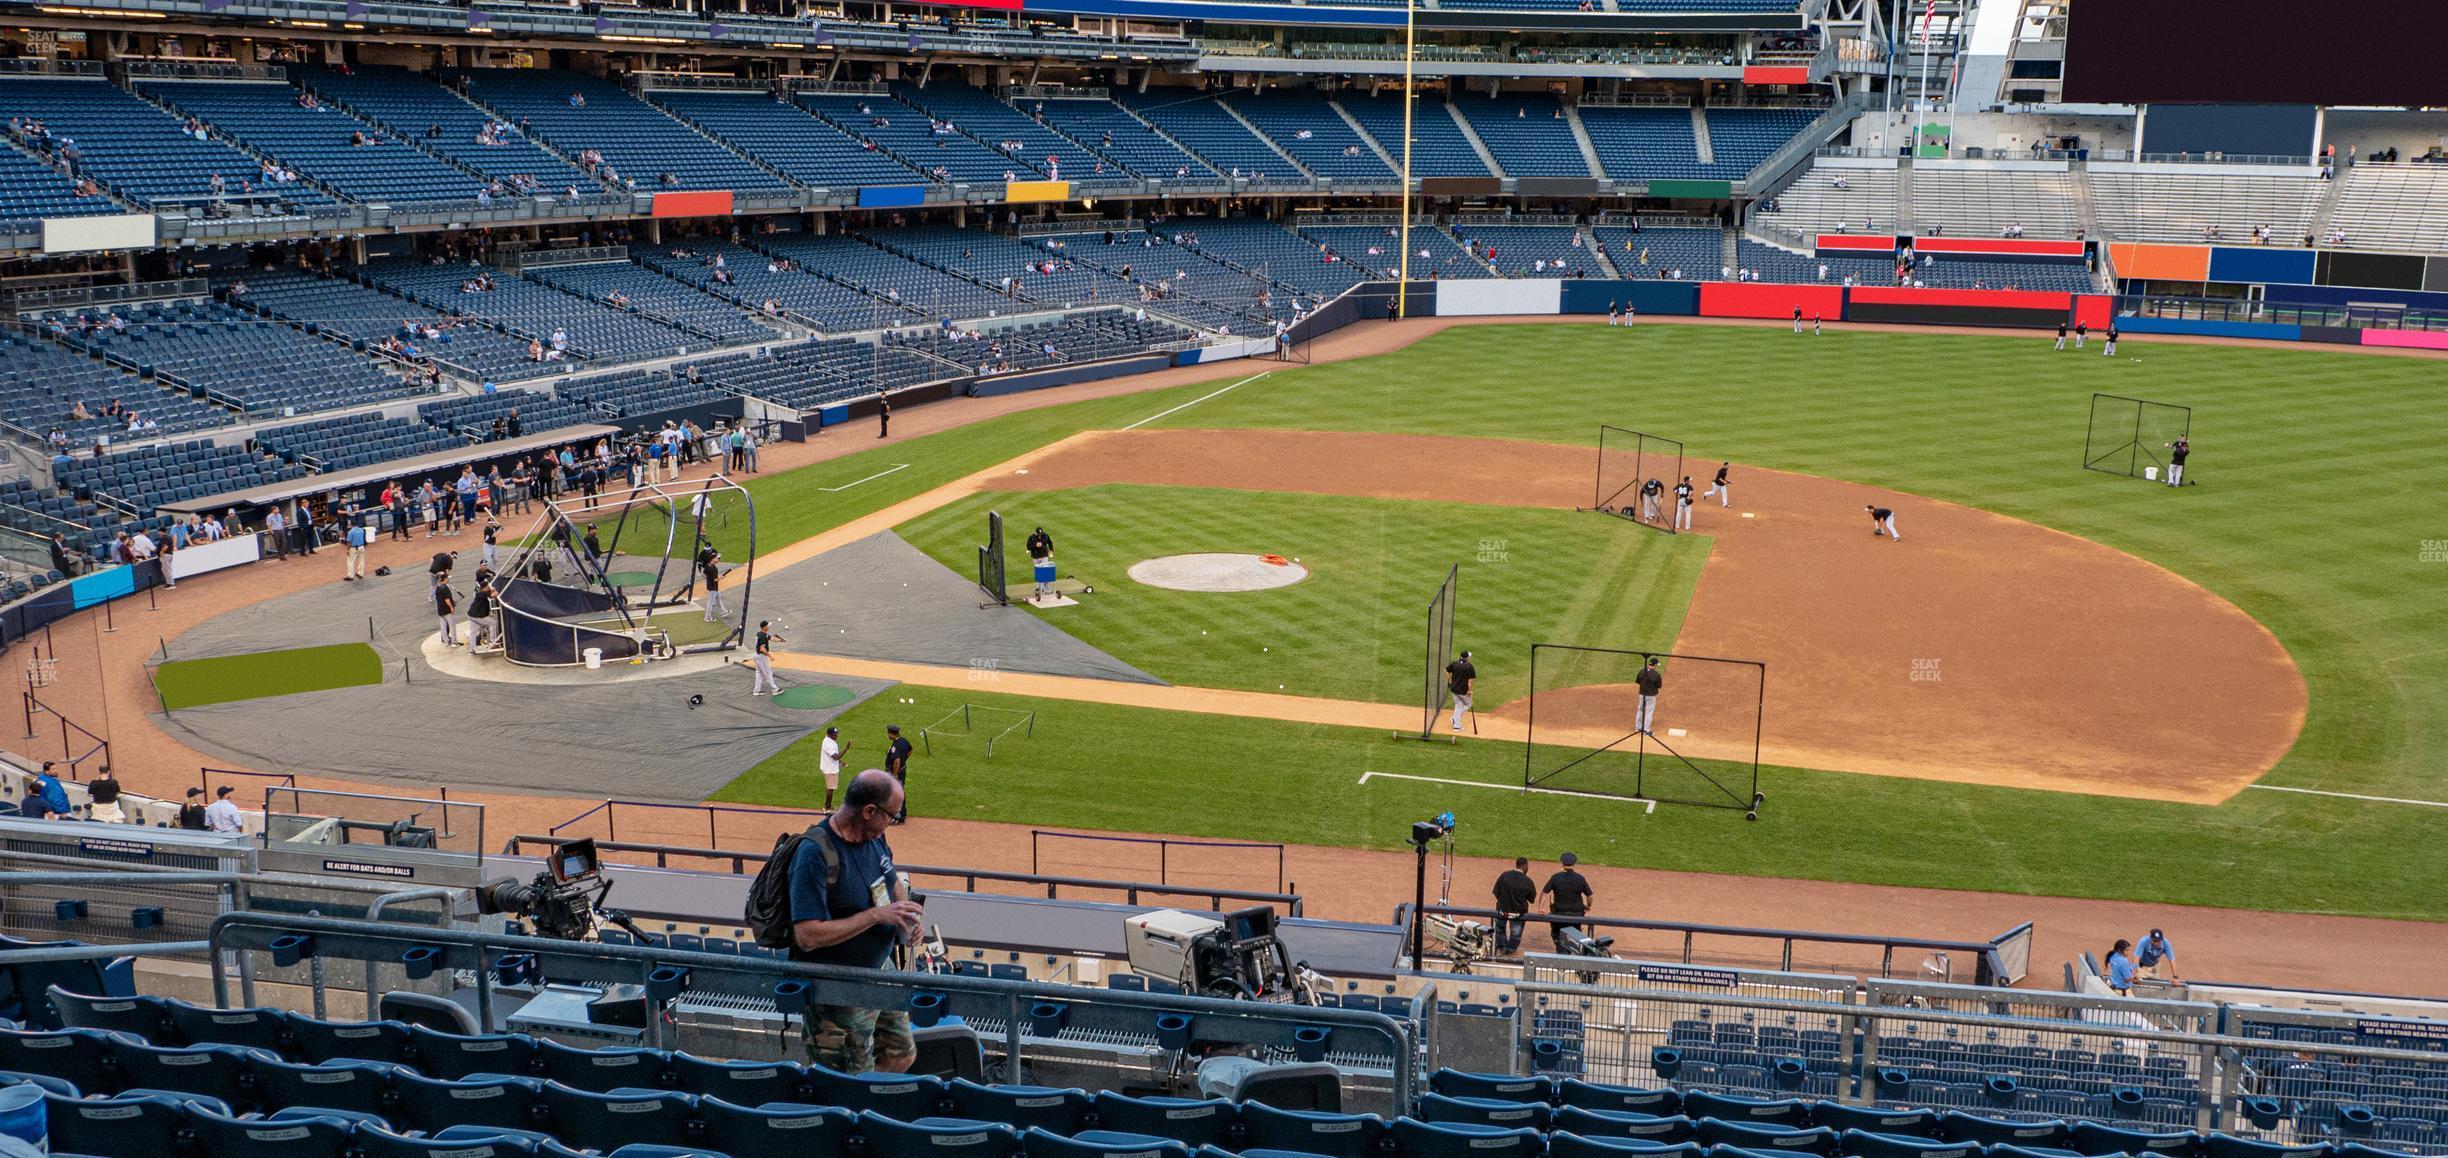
769 902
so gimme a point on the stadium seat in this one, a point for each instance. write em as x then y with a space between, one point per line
1566 1144
106 1128
741 1083
936 1137
903 1097
1502 1087
1509 1115
79 1056
2046 1133
1659 1129
1618 1099
432 1104
2219 1144
353 1086
1766 1138
145 1018
386 1144
777 1129
600 1070
1039 1143
45 1082
264 1029
546 1146
221 1136
1417 1139
1311 1132
1190 1121
2094 1138
597 1120
1020 1107
312 1040
1750 1111
1864 1144
1900 1123
456 1055
212 1071
642 1150
431 1012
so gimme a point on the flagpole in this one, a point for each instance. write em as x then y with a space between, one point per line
1402 286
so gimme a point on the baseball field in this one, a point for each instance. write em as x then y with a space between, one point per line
2062 682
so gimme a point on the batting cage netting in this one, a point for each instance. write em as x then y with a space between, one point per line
1440 648
2130 436
1701 743
1628 460
990 562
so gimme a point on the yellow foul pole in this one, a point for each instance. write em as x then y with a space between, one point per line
1402 287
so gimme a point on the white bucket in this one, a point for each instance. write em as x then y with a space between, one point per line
2151 473
594 658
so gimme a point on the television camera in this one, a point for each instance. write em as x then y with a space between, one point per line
565 900
1237 957
1571 941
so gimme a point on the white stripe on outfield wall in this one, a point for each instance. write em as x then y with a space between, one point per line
2351 796
1650 805
1196 401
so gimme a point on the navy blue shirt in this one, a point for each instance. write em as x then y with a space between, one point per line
866 883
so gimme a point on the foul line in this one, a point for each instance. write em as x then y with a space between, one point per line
2351 796
1195 401
870 478
1649 806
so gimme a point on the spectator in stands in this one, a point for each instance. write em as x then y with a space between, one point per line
62 559
222 814
2156 958
104 790
45 796
1569 895
1514 893
838 876
2120 966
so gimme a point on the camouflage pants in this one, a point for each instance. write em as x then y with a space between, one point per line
852 1040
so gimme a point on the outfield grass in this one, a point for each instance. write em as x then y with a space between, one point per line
1356 628
2321 482
191 683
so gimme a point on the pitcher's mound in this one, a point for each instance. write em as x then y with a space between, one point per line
1218 572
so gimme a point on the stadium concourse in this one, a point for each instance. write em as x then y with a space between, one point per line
106 680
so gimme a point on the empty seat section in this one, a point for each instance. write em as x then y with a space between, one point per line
146 155
574 113
1304 124
1199 124
1526 133
323 143
779 133
416 107
1438 148
1101 125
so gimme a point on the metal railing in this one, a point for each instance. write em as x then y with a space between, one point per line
1023 1009
740 862
71 733
2371 317
588 255
89 297
2001 960
1164 849
200 70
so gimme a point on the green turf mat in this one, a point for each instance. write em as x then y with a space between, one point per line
193 683
631 578
814 696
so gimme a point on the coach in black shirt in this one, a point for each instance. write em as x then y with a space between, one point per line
1568 895
1514 892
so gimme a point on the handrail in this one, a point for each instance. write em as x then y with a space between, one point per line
1133 890
1692 929
1112 1010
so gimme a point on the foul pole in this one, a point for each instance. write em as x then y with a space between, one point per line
1402 270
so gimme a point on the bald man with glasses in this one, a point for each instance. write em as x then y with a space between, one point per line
848 908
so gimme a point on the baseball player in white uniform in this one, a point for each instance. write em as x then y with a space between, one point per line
1683 504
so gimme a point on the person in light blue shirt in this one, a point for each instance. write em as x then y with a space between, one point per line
2156 958
2121 967
358 537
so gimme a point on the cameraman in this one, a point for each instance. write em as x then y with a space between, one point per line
855 922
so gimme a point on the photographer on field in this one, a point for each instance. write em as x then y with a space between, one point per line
847 908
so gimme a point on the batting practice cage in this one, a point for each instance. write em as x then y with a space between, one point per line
622 574
2129 436
1440 649
1702 746
990 563
1628 459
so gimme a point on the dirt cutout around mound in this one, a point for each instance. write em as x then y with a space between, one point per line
1978 648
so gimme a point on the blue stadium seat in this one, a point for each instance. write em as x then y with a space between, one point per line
110 1127
1191 1121
592 1120
1620 1099
44 1082
2219 1144
741 1083
1661 1129
1566 1144
777 1130
1417 1139
1020 1107
146 1018
546 1146
1750 1111
80 1056
903 1097
1902 1123
2094 1138
1509 1115
357 1087
432 1104
1864 1144
1503 1087
642 1150
213 1071
313 1040
2043 1133
386 1144
1766 1138
221 1136
264 1029
1039 1143
936 1137
1311 1132
457 1055
600 1070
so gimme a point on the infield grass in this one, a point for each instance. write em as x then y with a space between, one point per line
2319 513
190 683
